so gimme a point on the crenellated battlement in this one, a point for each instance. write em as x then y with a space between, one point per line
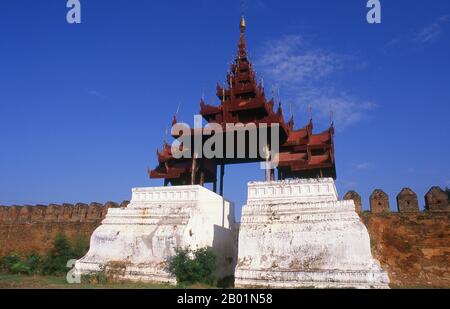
436 200
54 213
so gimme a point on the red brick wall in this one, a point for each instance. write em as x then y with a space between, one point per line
414 248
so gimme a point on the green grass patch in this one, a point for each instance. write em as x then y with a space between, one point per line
16 281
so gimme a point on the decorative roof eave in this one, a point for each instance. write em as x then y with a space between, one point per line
209 110
172 173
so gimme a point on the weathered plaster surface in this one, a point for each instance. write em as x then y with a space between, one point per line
296 233
138 240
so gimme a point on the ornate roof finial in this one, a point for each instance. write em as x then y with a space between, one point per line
291 119
223 93
178 109
166 137
243 24
279 97
175 116
310 112
332 117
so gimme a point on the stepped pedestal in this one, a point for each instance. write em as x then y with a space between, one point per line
297 234
136 242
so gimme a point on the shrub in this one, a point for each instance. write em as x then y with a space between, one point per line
226 283
34 263
61 246
21 268
7 262
55 263
190 267
80 247
95 278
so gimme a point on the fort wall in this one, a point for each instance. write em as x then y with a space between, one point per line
413 246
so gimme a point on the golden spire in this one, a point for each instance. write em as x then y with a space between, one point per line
243 24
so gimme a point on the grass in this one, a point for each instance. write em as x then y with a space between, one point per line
53 282
416 287
8 281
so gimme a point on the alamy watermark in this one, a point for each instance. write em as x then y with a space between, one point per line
74 14
374 14
72 277
230 141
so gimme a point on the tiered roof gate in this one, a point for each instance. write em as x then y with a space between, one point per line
302 154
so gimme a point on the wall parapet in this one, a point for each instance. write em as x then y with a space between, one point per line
436 200
56 213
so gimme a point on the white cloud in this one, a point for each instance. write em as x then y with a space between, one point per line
419 37
97 94
364 166
432 31
347 110
303 72
289 60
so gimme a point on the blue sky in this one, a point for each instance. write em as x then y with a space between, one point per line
84 107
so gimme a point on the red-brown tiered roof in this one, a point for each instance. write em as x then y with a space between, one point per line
242 100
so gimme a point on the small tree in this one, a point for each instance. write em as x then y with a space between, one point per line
80 247
56 260
190 267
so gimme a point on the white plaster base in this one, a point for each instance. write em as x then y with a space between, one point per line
135 243
297 234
